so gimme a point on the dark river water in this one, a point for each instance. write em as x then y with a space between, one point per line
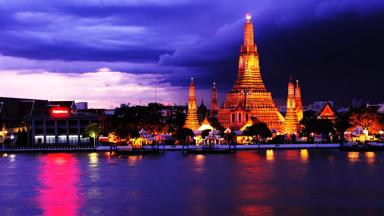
290 182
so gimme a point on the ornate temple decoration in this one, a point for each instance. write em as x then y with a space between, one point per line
191 121
249 96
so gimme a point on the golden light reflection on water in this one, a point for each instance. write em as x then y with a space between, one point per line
134 159
269 155
93 159
304 154
371 157
353 156
199 162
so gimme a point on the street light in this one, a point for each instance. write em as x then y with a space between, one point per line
12 138
93 135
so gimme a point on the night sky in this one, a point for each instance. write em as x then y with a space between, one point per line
117 51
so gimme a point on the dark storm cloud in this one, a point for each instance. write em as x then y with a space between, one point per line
322 43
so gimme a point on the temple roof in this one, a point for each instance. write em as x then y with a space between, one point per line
205 125
327 112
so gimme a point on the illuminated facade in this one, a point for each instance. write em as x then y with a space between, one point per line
291 124
299 104
191 121
214 102
249 97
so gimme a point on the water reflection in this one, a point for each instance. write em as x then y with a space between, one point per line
59 179
199 162
269 155
353 156
370 156
93 159
304 155
133 159
252 176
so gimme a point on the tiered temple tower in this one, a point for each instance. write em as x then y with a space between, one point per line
249 97
299 104
214 102
191 121
291 124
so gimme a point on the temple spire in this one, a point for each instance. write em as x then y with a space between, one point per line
249 97
191 121
291 124
299 104
248 76
248 32
214 103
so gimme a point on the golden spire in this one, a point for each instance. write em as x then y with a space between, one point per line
249 97
191 121
291 124
249 77
299 104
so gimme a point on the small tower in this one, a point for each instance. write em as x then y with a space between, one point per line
202 111
291 123
299 104
191 121
214 102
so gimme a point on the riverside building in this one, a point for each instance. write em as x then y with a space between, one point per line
32 121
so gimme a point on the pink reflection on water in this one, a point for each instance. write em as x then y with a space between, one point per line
59 178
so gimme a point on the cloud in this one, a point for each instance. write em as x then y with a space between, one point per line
100 88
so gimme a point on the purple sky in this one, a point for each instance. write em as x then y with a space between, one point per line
120 51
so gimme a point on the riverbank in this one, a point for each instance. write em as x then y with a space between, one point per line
168 147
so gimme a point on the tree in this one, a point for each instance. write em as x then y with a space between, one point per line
205 133
308 119
342 123
92 130
216 124
183 133
366 119
321 126
258 129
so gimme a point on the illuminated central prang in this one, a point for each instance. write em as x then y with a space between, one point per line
249 97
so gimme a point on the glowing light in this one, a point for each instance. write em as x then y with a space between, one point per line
370 157
104 69
12 157
59 178
270 156
304 154
248 17
200 157
353 156
199 160
59 112
93 159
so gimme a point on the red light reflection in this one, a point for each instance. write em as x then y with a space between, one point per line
59 178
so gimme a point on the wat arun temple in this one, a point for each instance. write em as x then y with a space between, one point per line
249 97
249 100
